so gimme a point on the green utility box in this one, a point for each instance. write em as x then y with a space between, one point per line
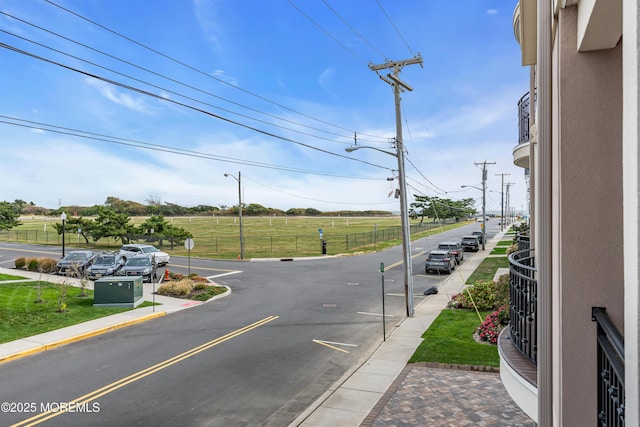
117 292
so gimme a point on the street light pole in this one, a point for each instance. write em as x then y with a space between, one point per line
63 217
502 219
404 215
239 179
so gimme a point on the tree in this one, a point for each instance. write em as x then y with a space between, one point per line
112 224
8 216
84 225
435 207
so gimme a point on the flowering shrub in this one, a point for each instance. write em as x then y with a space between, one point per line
482 293
493 324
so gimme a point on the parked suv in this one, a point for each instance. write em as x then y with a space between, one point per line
455 249
140 265
106 264
75 263
470 243
480 236
162 258
439 260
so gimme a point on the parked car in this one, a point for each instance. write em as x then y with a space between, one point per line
439 260
105 264
470 243
455 249
480 236
162 258
140 265
75 263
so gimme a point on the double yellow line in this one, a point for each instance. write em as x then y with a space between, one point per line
84 400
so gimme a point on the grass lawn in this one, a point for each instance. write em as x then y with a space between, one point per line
450 340
487 269
21 316
10 277
499 251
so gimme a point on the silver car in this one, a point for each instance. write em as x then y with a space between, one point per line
440 260
106 264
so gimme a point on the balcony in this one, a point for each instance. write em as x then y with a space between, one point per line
521 151
517 344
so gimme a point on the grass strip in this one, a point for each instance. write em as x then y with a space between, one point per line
449 339
487 269
22 316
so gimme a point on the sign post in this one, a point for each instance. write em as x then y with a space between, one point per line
384 326
189 245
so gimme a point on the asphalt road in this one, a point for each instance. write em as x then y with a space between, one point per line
260 356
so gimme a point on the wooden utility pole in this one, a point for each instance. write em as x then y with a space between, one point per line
484 200
400 86
502 199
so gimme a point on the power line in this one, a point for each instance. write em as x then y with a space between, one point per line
192 68
355 55
170 79
394 26
157 147
353 29
144 92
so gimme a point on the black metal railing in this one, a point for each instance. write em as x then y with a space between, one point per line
523 119
610 353
523 303
524 243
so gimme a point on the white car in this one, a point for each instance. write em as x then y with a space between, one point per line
162 258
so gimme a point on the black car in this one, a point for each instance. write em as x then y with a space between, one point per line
470 243
140 265
455 249
75 263
106 264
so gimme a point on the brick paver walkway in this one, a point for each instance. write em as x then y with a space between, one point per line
427 396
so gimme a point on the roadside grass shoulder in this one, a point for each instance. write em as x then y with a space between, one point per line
450 340
22 316
487 269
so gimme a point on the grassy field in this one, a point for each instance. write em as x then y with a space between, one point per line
218 237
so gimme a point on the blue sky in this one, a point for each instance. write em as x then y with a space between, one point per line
273 89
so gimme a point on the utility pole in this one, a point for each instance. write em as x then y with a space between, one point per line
509 184
502 200
484 200
400 86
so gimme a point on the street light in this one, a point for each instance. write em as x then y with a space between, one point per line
404 214
63 217
484 211
239 179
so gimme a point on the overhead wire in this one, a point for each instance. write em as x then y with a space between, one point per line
141 91
208 75
353 29
342 45
394 26
244 176
167 78
46 127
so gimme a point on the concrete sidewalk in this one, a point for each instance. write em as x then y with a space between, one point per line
353 398
48 340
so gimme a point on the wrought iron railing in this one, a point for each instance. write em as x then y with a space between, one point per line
523 303
610 353
523 119
523 242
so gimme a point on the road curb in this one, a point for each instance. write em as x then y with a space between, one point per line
79 337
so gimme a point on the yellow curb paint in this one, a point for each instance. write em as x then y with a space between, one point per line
80 337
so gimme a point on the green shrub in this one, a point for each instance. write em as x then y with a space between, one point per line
482 293
32 264
502 291
200 287
47 265
21 262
